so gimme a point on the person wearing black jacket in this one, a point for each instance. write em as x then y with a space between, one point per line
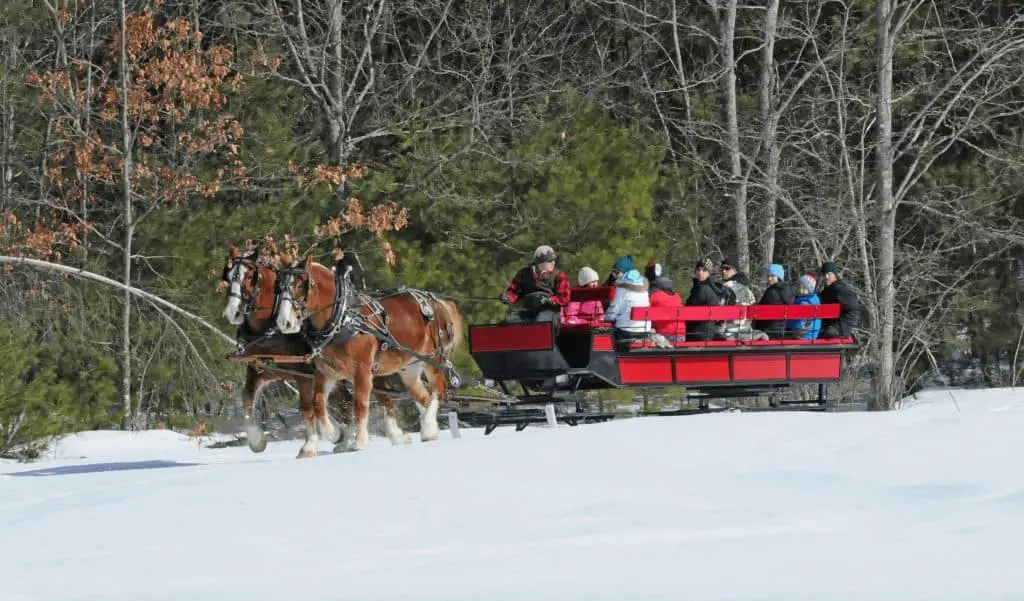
836 291
730 271
778 292
706 292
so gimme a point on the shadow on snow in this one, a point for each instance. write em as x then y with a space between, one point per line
91 468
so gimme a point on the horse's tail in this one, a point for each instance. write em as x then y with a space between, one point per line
458 326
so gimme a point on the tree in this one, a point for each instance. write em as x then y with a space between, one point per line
159 136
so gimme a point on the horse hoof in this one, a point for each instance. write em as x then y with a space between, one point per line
256 439
303 454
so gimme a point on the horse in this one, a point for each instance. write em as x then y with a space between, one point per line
409 333
252 305
254 323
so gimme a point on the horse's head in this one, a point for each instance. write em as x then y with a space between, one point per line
250 279
307 291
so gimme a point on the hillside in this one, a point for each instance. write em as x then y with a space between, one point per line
912 504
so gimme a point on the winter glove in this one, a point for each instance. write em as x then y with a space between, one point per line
535 301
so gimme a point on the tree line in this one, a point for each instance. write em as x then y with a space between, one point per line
139 138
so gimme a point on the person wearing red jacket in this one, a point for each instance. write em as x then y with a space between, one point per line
663 295
539 290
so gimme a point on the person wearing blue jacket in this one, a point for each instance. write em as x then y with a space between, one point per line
805 328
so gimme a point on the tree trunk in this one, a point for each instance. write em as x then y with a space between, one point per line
769 121
6 139
737 182
129 226
335 83
883 389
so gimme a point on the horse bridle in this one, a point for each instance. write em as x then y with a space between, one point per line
233 275
286 278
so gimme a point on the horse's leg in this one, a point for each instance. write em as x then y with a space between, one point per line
363 384
308 390
345 411
439 391
438 382
425 403
254 381
325 424
394 432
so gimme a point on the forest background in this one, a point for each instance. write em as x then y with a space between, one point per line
139 139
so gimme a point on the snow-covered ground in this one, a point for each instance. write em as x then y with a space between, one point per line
922 503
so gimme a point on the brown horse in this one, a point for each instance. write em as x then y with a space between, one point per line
371 339
252 304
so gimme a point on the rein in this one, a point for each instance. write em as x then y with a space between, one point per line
470 299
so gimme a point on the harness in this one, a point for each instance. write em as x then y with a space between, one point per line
347 320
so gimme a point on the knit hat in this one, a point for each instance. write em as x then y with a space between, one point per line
632 277
654 270
809 282
828 267
730 261
776 270
544 254
655 274
587 275
705 263
624 264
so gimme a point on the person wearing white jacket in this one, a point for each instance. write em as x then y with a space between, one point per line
630 292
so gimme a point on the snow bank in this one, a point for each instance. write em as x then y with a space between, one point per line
922 503
958 400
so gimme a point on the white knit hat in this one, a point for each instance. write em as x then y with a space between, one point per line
587 275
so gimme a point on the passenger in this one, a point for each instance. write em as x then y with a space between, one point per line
730 271
630 293
663 295
738 292
777 293
540 290
836 291
806 329
590 312
621 266
706 292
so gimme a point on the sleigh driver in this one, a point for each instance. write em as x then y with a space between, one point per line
539 290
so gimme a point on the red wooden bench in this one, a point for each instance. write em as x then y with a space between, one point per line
734 312
662 316
605 294
733 362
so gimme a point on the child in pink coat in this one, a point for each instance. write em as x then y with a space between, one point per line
585 312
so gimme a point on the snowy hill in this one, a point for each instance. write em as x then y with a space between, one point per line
922 503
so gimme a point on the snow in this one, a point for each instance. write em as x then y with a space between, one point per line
922 503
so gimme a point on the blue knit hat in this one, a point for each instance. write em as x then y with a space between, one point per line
624 264
632 277
777 271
